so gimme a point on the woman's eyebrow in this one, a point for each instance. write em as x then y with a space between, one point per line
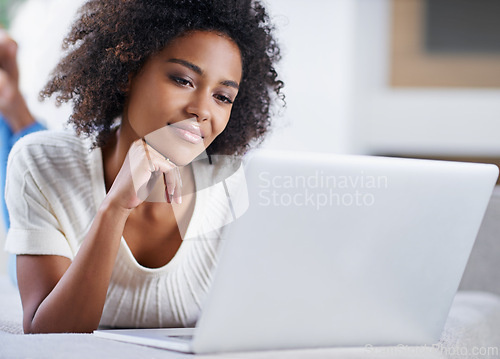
199 71
231 84
187 64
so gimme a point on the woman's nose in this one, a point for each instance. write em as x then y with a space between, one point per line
199 106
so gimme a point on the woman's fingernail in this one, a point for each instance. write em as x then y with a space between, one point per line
178 200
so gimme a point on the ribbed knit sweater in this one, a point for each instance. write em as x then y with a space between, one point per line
55 185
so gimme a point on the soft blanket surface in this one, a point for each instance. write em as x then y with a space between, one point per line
472 331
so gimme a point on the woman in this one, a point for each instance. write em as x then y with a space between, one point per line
90 250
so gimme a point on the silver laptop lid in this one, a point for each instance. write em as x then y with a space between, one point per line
343 250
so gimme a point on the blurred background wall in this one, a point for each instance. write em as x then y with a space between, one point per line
362 76
341 58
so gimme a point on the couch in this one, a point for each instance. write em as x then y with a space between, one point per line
472 329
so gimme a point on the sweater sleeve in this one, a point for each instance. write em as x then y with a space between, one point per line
7 140
34 227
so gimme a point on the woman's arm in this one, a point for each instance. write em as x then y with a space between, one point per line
63 296
59 295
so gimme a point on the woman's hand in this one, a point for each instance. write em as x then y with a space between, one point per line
140 171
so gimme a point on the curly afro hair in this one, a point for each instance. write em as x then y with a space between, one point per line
112 39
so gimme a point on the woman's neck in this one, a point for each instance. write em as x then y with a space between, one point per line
114 154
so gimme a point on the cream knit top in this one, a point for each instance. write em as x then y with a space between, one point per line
55 185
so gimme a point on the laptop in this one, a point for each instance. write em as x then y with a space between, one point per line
336 250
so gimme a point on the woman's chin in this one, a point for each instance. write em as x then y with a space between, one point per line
169 144
183 157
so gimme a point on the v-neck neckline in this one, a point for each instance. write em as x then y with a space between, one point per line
99 191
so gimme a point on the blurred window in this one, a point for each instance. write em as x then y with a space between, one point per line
462 26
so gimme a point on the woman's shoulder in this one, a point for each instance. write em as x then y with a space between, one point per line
51 153
48 141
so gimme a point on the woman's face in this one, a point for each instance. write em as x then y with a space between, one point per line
182 98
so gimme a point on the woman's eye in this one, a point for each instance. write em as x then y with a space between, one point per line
223 98
180 80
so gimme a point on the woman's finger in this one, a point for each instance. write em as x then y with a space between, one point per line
177 195
148 156
171 184
167 197
171 178
146 167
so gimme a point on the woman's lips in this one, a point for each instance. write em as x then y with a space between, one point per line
188 132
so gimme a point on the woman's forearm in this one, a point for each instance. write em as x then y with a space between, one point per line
76 302
63 296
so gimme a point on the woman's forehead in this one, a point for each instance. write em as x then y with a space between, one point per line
208 50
